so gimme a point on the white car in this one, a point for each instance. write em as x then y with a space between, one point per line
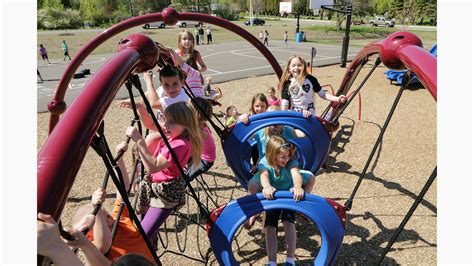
159 24
184 24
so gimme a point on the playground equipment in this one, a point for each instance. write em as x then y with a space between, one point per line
70 137
396 76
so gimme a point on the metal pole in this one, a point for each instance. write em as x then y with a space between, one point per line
345 41
251 13
298 22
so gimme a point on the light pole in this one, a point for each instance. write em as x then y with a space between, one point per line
251 13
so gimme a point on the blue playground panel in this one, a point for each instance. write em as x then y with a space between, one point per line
316 208
397 75
311 150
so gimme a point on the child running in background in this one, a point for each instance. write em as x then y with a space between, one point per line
232 115
127 237
165 186
44 54
298 88
259 105
279 171
187 52
272 99
208 155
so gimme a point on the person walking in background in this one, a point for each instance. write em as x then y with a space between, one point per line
201 35
65 50
209 34
285 38
260 36
196 33
265 37
44 54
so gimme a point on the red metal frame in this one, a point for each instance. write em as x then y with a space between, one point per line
57 106
61 157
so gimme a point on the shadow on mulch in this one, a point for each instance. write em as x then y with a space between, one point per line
338 147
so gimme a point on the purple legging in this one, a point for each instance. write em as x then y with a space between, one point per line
153 219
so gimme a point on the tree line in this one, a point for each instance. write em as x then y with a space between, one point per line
67 14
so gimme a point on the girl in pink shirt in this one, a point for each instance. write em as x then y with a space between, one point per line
272 99
208 155
165 188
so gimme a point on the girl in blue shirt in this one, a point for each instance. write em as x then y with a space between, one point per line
279 171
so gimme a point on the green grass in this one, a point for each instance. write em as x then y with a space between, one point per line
359 36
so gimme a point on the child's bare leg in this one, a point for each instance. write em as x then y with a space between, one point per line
290 238
271 242
152 141
253 188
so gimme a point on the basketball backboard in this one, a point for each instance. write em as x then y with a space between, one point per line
316 4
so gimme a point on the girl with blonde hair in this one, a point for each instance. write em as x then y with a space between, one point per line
279 171
187 51
164 188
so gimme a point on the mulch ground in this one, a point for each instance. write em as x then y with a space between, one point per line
400 168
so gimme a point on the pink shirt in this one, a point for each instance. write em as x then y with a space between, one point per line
208 146
193 79
183 150
275 102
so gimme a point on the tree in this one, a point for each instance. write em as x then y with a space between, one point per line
55 18
382 7
56 4
363 8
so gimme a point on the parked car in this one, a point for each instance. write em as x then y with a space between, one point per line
159 24
256 21
184 24
358 22
381 21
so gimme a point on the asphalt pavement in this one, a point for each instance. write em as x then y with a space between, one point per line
225 62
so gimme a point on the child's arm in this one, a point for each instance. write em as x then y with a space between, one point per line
151 163
267 190
177 59
332 98
153 97
92 255
298 191
144 115
51 245
102 237
203 66
123 146
297 133
244 118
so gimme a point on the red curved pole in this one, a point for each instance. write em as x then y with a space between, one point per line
61 156
57 106
399 50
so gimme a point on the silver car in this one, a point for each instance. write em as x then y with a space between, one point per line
184 24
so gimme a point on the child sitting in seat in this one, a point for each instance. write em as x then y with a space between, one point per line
165 186
279 171
208 156
127 238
